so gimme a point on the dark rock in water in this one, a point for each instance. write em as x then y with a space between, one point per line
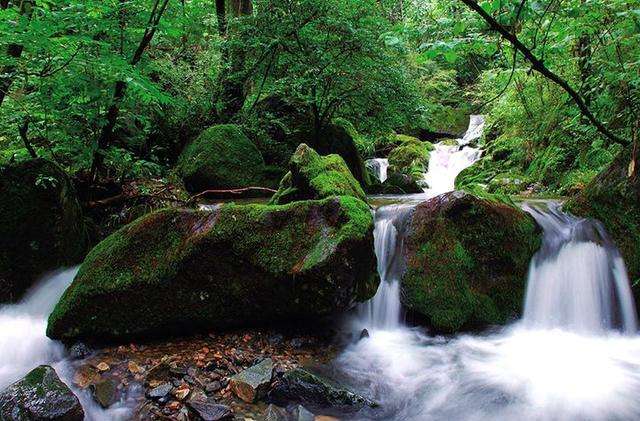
80 350
300 413
213 387
467 261
42 224
178 270
222 157
397 183
40 395
253 383
613 198
105 392
160 392
208 410
311 390
312 176
161 372
364 334
276 339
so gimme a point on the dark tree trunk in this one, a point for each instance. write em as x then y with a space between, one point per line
221 14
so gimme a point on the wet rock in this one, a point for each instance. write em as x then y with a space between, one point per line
40 395
85 375
300 413
181 392
103 366
275 413
104 392
253 383
213 387
209 410
301 262
467 261
161 392
364 334
80 350
313 391
41 224
276 339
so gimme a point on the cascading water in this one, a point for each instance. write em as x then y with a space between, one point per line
575 355
24 344
379 167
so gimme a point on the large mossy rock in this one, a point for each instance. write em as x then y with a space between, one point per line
40 395
42 224
340 138
222 157
312 176
467 261
410 157
176 271
613 198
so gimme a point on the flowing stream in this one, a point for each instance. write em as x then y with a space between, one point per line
574 356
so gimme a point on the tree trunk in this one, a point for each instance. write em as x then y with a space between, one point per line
14 51
539 66
221 15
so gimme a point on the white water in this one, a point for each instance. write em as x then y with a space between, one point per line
24 344
575 355
379 166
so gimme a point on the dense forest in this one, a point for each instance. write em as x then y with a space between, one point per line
236 178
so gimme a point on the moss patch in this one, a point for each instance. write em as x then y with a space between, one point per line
410 157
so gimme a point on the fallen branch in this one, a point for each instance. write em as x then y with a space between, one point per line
538 65
232 192
122 197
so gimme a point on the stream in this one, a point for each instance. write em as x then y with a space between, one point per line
574 355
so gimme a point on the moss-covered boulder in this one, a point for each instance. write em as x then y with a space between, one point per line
339 138
467 261
396 183
42 226
410 157
613 198
40 395
176 271
222 157
312 176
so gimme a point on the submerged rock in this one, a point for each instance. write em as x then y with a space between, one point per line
206 409
467 261
311 390
40 395
312 176
222 157
176 271
253 383
105 392
41 228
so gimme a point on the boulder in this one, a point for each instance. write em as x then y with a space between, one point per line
613 198
178 270
312 176
410 157
467 261
105 392
253 383
42 224
302 387
222 157
40 395
339 138
398 183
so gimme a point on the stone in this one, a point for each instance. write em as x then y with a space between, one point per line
275 413
160 392
181 392
105 392
300 413
79 351
177 271
213 387
253 383
209 410
103 366
40 395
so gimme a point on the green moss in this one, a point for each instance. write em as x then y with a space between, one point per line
221 157
467 261
316 177
180 270
410 157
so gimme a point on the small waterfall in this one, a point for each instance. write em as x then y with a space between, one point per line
383 310
578 280
447 161
379 167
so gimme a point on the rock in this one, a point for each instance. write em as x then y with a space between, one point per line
160 392
364 334
85 375
313 391
104 392
42 225
103 366
213 387
181 392
40 395
613 198
275 413
175 271
222 157
397 183
79 350
467 261
410 157
300 413
209 410
312 176
134 368
161 372
253 383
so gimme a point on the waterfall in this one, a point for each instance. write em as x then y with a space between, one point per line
379 167
578 280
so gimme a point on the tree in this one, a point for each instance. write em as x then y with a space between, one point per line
14 51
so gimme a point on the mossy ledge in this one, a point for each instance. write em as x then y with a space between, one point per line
177 271
467 261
